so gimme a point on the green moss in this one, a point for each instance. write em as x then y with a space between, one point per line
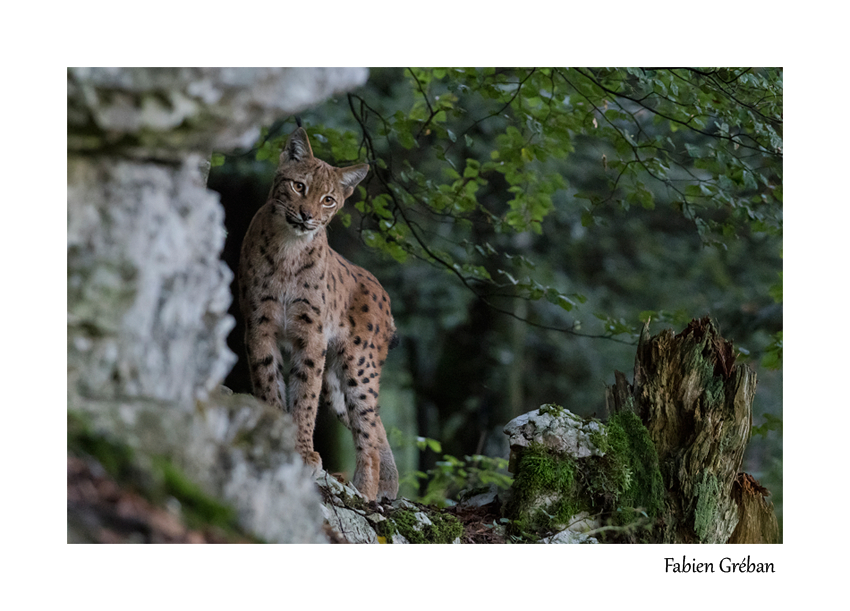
542 475
705 515
551 409
633 455
701 360
443 528
556 411
715 391
599 438
386 528
198 508
116 459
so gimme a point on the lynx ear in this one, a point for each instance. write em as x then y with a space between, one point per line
297 147
350 177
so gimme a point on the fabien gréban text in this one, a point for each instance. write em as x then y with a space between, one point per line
726 565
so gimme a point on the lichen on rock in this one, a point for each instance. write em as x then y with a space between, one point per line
354 520
556 428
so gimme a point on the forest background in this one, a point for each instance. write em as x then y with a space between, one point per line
526 223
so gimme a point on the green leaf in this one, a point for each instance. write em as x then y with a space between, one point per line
772 423
405 138
510 278
775 290
554 297
451 172
426 442
773 353
344 218
693 190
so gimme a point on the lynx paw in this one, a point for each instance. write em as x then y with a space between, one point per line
387 490
312 460
388 480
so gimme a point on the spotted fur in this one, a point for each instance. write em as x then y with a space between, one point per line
330 315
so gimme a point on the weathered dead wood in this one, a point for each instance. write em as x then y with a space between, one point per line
697 405
756 520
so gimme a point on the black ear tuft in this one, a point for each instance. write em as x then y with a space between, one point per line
297 147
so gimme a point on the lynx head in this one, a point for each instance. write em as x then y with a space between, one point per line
307 191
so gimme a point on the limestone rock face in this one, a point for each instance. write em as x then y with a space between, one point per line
344 509
557 429
192 108
147 292
353 520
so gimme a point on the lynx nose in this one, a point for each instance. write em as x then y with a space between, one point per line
305 215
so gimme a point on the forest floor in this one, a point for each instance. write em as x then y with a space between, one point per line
479 523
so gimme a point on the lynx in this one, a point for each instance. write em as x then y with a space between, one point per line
330 315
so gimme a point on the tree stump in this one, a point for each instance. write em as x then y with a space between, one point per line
696 404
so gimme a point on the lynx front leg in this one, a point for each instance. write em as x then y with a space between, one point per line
264 360
305 385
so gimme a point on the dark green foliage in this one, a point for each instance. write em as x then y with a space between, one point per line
450 476
773 353
486 148
472 474
772 423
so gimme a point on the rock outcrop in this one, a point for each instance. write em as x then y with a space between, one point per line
147 292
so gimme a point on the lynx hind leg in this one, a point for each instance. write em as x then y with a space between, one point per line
361 403
332 393
352 377
375 475
388 473
345 409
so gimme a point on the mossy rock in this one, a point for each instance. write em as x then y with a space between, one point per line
420 526
156 478
619 483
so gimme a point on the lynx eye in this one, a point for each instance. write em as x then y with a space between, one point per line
328 202
298 187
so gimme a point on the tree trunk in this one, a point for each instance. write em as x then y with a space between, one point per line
697 405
